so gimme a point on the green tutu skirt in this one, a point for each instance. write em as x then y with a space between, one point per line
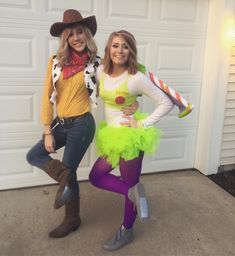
114 143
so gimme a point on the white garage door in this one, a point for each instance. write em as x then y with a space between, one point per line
171 41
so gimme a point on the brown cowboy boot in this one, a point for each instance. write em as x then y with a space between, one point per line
71 220
57 171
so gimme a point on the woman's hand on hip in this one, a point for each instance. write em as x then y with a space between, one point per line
131 122
130 110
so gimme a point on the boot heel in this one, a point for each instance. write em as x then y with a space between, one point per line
63 196
75 228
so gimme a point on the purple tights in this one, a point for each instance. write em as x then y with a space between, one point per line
101 177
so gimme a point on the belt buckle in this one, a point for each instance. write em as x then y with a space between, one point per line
62 121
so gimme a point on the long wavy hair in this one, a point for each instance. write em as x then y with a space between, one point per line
64 48
131 64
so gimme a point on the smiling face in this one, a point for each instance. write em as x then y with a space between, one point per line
119 51
77 39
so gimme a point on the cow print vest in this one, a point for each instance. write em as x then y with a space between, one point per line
89 77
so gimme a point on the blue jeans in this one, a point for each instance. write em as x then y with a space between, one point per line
75 137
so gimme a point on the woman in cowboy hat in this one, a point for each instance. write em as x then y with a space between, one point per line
70 85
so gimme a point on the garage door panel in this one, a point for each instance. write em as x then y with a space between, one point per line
170 40
156 15
58 6
22 109
173 152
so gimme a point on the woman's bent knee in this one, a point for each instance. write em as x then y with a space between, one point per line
32 158
29 157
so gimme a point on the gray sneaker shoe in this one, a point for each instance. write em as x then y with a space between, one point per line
138 196
121 238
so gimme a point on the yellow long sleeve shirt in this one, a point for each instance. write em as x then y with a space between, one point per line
72 96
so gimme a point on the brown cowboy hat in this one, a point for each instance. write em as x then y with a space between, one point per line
72 17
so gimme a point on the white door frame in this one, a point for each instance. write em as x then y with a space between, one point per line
213 91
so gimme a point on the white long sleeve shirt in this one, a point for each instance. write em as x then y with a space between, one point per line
138 84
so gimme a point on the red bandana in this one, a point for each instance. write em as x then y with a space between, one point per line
76 64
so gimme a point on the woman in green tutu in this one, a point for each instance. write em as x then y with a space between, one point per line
122 140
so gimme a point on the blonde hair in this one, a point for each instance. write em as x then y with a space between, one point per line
131 64
63 50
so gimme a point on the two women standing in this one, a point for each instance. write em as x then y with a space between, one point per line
71 84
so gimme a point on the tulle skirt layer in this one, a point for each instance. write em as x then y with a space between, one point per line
125 142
